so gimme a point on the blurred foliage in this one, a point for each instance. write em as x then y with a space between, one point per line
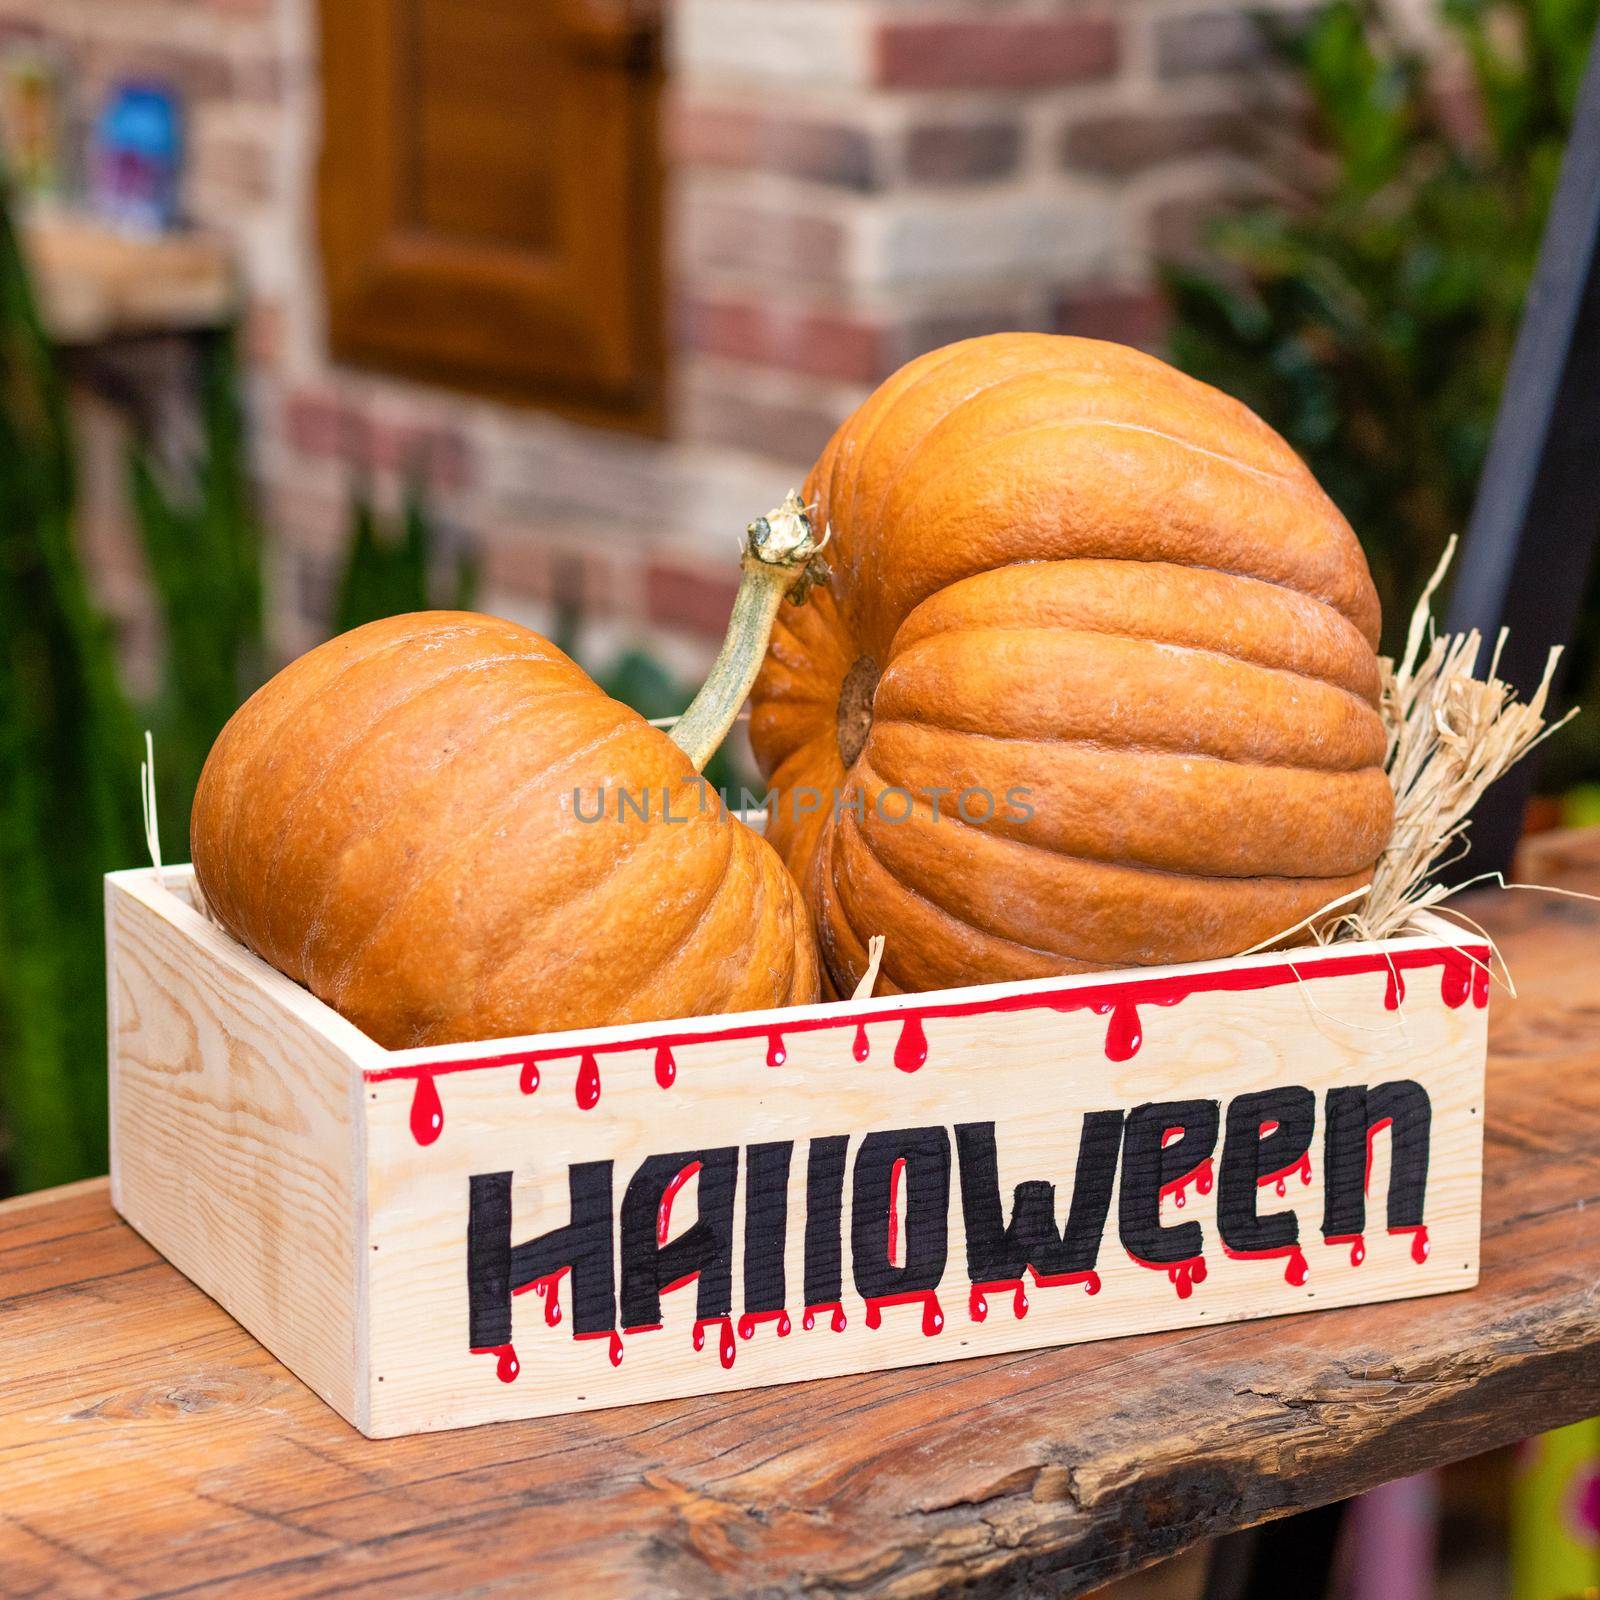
202 548
387 574
69 731
68 759
1370 315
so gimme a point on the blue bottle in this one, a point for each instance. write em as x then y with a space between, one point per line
137 158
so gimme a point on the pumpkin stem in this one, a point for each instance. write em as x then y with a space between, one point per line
781 556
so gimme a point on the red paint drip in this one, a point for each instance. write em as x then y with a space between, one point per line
548 1288
749 1322
427 1115
1184 1275
1394 991
911 1050
978 1304
932 1312
725 1345
1455 982
836 1322
1123 1033
668 1195
861 1049
506 1365
666 1066
613 1342
896 1175
1060 1280
1419 1241
1166 991
1295 1270
776 1054
1356 1241
529 1080
588 1090
1280 1179
1201 1176
1480 984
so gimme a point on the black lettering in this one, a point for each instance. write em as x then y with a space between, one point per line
1351 1116
1248 1155
924 1211
998 1252
704 1250
766 1224
1150 1164
824 1220
495 1270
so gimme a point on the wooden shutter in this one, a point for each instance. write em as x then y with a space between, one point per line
489 197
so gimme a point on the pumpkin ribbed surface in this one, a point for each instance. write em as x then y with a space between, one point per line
1064 568
390 821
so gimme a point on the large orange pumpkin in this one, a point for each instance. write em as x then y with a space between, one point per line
408 820
1066 574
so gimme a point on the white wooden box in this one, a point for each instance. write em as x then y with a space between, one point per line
773 1196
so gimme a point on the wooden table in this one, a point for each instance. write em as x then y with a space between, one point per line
149 1447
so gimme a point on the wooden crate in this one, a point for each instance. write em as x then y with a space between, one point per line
731 1201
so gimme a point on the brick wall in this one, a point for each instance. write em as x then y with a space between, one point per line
851 182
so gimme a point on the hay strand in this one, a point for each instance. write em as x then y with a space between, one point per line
869 978
147 804
1450 734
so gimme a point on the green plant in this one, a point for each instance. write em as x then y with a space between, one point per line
68 756
202 548
1370 315
387 574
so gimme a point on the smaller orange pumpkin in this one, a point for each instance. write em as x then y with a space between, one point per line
442 827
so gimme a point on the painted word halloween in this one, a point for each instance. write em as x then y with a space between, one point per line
898 1236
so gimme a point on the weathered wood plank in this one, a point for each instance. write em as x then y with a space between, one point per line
148 1446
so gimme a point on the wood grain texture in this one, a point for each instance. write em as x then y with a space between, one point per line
148 1445
235 1131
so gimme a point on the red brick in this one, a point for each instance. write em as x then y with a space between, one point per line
1003 53
726 236
821 343
315 423
323 424
1125 316
962 152
747 139
683 597
931 330
1123 142
265 328
719 409
698 135
1232 40
528 562
440 457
